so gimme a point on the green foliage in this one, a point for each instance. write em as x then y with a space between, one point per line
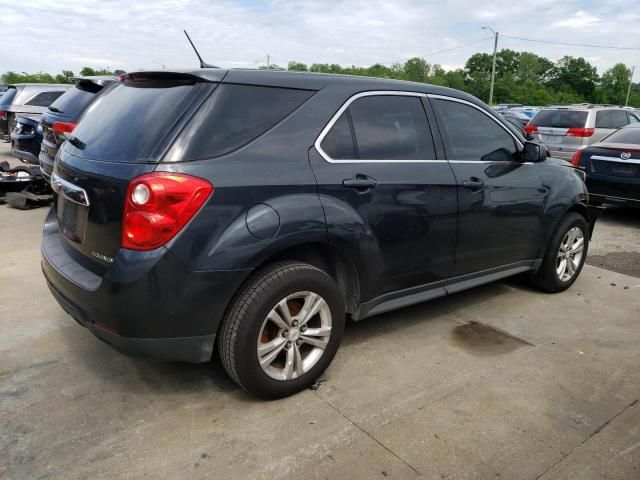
90 72
521 77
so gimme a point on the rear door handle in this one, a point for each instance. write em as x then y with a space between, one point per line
473 183
361 183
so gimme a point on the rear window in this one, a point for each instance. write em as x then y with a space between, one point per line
72 103
129 123
8 97
44 99
625 135
560 119
235 115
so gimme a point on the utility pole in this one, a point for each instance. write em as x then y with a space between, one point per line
626 102
493 65
268 62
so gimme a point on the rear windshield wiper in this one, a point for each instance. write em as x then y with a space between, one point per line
54 109
75 141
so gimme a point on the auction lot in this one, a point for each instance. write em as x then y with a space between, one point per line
542 386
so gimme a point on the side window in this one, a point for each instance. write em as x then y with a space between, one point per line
633 118
391 127
338 143
619 118
44 99
469 134
603 119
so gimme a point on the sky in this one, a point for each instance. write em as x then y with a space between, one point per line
48 35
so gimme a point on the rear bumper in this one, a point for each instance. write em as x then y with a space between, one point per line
147 303
564 154
604 189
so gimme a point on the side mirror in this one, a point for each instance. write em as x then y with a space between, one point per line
534 152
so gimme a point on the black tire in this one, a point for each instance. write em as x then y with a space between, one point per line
241 327
546 278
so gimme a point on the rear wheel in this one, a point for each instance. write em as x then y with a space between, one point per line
565 255
282 330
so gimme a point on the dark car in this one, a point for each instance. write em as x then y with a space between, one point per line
63 115
256 209
26 139
612 167
26 98
515 117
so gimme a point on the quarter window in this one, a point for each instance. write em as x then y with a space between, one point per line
469 134
385 127
44 99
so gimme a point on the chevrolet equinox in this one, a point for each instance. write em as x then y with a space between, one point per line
255 210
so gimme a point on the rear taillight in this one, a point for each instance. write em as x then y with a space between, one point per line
575 160
531 129
580 132
3 115
158 206
60 128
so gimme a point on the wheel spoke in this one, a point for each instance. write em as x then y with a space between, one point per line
312 306
562 268
289 364
571 266
578 246
266 348
283 307
277 319
313 341
318 332
298 367
271 356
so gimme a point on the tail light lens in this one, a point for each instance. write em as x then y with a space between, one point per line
580 132
3 115
158 206
575 160
531 129
60 128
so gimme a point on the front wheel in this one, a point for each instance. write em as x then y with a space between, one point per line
282 330
565 255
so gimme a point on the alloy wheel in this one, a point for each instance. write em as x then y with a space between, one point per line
570 254
294 335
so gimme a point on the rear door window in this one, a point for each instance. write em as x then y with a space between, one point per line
391 127
236 115
560 119
471 135
603 119
44 99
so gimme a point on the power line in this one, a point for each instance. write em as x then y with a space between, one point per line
569 44
437 52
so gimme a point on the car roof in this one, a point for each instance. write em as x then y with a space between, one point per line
313 81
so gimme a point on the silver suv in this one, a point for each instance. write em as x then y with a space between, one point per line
564 129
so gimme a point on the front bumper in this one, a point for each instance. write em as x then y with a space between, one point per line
147 303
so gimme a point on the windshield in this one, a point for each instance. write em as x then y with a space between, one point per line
560 119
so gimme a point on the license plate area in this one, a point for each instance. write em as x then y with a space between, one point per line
72 218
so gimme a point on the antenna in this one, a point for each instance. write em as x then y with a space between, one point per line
203 64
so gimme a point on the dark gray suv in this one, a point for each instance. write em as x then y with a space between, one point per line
258 209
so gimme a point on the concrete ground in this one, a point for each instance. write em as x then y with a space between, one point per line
497 382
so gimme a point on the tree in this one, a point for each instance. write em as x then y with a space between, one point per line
297 67
416 70
576 75
90 72
614 84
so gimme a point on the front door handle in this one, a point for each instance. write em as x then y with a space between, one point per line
361 183
473 183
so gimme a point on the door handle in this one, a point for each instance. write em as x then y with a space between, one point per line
362 183
473 183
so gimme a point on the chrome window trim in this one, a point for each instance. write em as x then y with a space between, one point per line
615 159
465 102
372 93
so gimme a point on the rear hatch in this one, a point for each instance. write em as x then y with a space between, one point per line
124 134
560 129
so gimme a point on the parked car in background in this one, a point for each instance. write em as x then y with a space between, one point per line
514 116
63 115
506 106
190 209
612 167
566 129
26 139
529 112
26 98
